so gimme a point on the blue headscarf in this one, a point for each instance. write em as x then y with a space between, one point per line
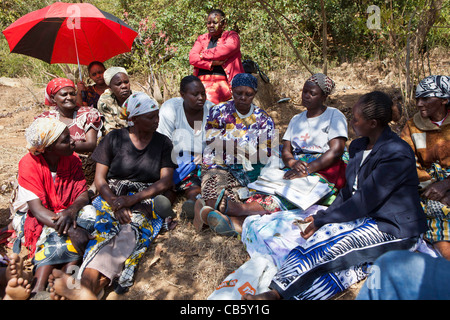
244 79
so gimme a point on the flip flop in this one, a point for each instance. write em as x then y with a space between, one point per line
221 224
219 200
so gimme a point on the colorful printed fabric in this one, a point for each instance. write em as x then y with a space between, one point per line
438 214
42 133
319 268
434 86
111 111
84 118
54 86
333 176
90 97
136 104
253 133
54 249
144 221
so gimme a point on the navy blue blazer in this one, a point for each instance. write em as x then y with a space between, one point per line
387 188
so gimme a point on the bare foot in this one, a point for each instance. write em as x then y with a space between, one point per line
15 266
201 213
268 295
17 289
62 287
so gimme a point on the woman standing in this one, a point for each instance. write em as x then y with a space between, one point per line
134 167
216 57
183 120
428 134
377 211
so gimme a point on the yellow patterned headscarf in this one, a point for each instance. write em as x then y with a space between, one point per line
42 133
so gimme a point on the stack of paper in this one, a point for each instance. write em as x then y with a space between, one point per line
303 192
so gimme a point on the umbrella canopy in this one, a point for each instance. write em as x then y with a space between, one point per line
77 33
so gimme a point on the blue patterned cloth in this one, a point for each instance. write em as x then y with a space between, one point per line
334 257
145 224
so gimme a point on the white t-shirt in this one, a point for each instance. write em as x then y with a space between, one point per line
173 123
311 135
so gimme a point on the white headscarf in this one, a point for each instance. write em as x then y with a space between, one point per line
111 72
42 133
138 103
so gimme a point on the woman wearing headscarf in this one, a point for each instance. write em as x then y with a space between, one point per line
84 122
52 198
216 57
134 167
314 142
239 140
110 102
428 134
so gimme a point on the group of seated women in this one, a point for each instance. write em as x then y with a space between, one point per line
147 155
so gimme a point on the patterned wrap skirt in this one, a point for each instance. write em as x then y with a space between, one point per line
51 248
333 255
438 214
144 221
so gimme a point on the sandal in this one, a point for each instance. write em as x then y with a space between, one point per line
219 200
221 224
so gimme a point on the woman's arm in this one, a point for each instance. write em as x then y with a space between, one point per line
195 56
90 143
337 147
102 185
163 184
65 219
226 47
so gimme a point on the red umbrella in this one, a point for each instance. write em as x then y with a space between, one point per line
77 33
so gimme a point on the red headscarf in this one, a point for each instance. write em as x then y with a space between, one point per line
54 86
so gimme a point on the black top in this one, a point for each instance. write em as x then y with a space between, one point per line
126 162
216 70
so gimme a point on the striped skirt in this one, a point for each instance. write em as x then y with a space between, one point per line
323 266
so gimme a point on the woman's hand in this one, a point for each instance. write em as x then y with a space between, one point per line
293 174
80 238
121 202
301 167
310 230
123 215
64 221
437 190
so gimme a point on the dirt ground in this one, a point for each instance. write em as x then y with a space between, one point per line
182 264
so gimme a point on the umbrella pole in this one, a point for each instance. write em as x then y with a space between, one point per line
76 51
